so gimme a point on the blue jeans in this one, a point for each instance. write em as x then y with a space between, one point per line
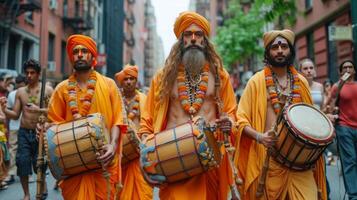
26 156
347 144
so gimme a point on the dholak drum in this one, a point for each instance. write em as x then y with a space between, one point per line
182 152
131 143
303 134
71 147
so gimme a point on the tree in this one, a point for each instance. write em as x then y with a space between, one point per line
238 39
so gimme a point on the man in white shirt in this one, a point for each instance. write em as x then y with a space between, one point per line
14 126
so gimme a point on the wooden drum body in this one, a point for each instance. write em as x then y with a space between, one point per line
182 152
131 143
71 147
304 132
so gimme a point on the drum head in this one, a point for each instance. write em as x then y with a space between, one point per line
309 123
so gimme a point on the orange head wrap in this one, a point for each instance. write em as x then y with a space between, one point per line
86 41
271 35
185 19
129 70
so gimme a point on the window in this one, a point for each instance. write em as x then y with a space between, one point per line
29 16
308 4
310 46
63 57
51 47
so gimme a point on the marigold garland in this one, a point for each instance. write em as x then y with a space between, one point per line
133 107
87 99
294 97
191 97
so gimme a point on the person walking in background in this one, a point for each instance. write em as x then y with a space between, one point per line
308 70
14 126
134 185
343 96
27 101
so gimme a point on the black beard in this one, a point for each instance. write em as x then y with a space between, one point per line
81 66
287 62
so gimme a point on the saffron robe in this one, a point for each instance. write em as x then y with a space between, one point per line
107 101
134 185
214 184
249 156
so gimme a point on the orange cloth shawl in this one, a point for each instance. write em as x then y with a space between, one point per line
107 101
249 156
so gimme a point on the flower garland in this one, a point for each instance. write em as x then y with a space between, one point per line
73 105
132 107
191 95
32 98
294 97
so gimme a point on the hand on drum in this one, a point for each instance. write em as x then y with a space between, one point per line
268 139
149 166
108 154
224 124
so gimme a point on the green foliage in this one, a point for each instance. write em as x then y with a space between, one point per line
238 39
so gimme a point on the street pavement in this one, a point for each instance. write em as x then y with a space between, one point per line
14 191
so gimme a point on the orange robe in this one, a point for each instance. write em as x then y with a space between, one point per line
107 101
249 158
213 184
134 185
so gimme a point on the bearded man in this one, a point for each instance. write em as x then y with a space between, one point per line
134 184
189 85
265 95
86 92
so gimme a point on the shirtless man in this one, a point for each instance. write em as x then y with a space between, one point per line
190 84
27 102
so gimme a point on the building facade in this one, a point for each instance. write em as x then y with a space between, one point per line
39 29
315 41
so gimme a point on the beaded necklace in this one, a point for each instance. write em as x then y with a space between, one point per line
32 98
277 94
72 92
191 94
132 106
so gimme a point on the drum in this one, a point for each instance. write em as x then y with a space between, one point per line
131 143
304 132
71 147
181 152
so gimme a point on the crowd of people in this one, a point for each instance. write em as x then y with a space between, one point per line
188 135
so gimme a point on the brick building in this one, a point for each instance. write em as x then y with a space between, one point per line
313 39
39 29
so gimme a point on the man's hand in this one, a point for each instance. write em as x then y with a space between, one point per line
108 154
332 117
3 103
268 139
32 108
224 124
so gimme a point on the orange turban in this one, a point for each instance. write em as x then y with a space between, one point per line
86 41
271 35
185 19
131 70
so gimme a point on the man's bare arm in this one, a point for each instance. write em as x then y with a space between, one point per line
14 112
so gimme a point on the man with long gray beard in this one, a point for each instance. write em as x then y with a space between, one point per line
264 97
191 84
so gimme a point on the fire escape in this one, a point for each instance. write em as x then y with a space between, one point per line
78 18
10 10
